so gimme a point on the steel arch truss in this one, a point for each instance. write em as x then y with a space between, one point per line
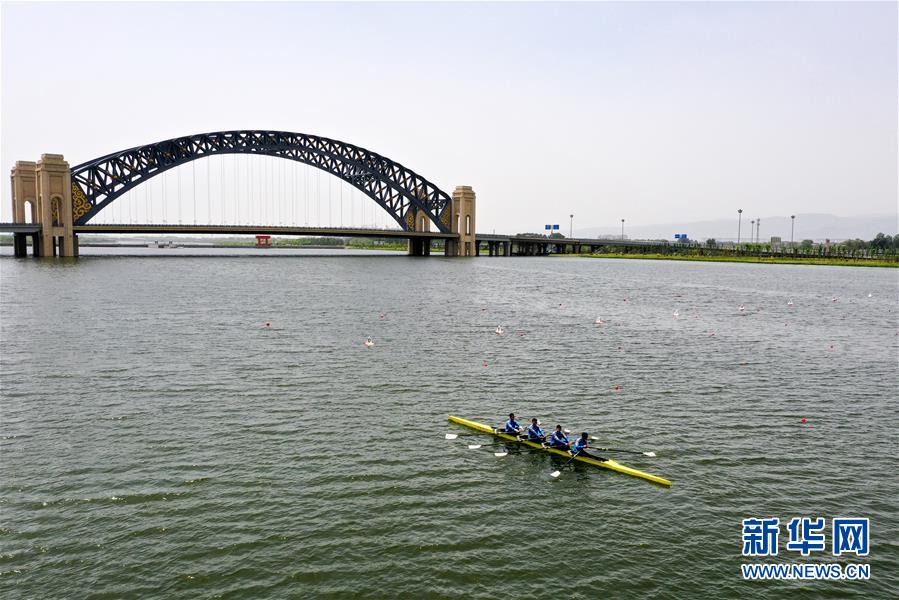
398 190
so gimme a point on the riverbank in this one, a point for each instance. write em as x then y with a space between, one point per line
771 260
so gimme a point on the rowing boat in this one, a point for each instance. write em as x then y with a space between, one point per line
608 464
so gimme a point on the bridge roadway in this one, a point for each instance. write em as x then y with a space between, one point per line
494 244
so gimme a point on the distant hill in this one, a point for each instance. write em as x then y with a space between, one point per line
816 227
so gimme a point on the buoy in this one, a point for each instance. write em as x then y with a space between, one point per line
802 420
368 343
485 364
268 324
381 316
616 387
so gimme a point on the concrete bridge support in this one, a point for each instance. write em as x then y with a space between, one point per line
42 193
420 222
462 222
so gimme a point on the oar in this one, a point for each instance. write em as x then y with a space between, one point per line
650 454
452 436
555 474
479 446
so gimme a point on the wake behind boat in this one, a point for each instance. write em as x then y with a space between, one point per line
608 464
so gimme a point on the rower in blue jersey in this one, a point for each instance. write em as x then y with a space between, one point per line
559 440
579 448
535 434
580 444
512 427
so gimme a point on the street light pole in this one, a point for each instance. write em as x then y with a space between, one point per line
739 223
752 231
622 230
758 225
792 224
571 226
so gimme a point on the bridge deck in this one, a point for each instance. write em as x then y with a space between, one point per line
160 229
20 227
260 230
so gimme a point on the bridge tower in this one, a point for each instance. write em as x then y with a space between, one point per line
47 187
462 222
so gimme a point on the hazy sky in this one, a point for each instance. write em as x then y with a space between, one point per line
654 112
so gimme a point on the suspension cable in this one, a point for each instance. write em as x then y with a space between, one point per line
223 198
165 200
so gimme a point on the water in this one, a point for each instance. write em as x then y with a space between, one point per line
158 441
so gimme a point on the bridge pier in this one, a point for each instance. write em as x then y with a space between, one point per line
419 247
20 244
44 188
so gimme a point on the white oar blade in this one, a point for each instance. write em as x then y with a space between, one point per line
500 454
650 454
555 474
452 436
473 446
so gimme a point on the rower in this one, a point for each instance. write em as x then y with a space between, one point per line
512 427
579 448
559 440
535 434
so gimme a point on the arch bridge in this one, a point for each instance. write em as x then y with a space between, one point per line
62 199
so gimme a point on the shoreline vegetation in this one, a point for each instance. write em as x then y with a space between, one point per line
765 260
882 251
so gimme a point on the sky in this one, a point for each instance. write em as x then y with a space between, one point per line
652 112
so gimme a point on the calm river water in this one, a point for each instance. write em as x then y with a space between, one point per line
159 442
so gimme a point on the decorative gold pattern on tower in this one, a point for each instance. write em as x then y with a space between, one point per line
445 217
410 220
54 211
80 205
